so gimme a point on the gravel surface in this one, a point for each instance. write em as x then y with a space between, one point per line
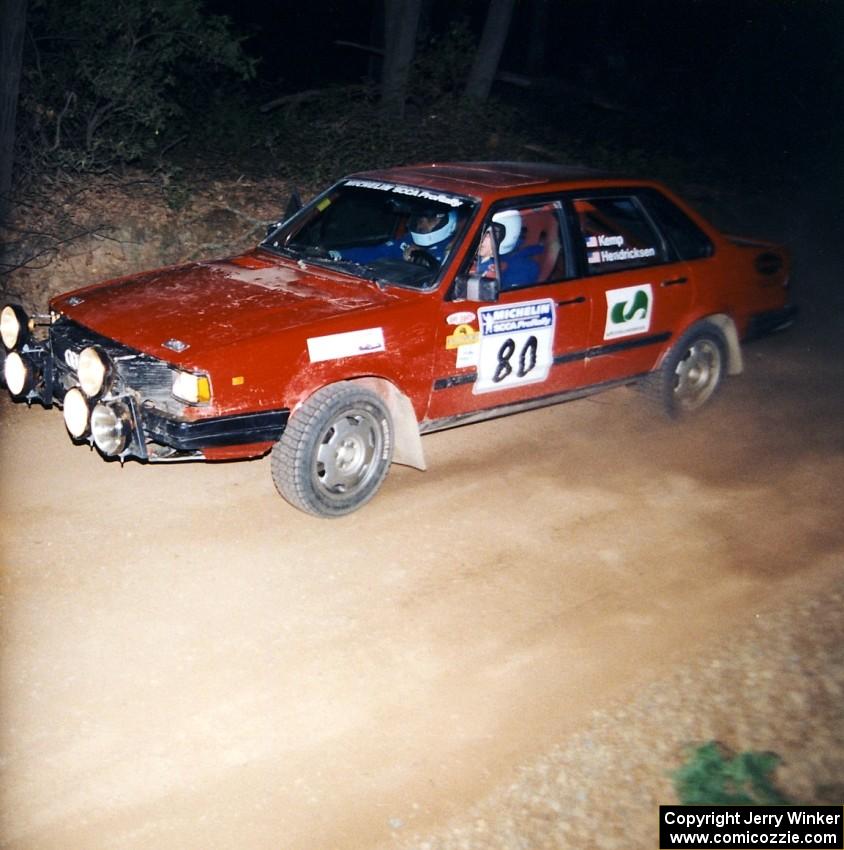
777 685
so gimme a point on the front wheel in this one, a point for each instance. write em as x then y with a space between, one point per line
335 451
692 371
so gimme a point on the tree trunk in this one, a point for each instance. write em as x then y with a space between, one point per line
400 24
12 26
489 51
537 38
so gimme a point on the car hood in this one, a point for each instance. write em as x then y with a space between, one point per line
202 306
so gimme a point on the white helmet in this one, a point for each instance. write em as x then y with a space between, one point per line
511 221
443 229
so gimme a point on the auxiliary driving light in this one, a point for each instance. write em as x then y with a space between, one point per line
17 374
111 427
93 370
76 413
14 325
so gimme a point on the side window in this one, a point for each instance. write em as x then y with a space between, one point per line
617 234
528 246
687 239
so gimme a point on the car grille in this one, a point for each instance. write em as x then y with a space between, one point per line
150 378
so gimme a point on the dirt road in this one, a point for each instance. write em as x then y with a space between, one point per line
187 662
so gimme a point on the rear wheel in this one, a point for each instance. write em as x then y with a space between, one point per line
335 451
692 371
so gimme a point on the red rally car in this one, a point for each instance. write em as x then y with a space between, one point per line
396 303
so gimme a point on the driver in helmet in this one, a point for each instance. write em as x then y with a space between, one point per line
431 232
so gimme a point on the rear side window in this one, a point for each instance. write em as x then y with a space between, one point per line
617 234
687 239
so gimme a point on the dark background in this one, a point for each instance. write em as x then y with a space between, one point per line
740 95
757 81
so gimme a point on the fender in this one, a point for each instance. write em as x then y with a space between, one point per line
724 323
735 359
408 449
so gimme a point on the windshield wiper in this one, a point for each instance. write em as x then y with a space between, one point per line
284 250
321 256
359 269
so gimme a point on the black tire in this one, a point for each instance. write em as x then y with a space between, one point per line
335 451
691 373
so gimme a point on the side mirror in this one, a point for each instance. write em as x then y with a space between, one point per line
475 288
294 204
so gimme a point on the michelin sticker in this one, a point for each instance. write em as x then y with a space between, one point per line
628 311
517 345
410 191
351 344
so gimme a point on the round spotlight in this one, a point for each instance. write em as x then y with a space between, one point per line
76 413
111 427
17 374
93 370
14 324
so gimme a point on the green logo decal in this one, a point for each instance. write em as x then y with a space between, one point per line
626 311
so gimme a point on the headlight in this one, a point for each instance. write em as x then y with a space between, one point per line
94 368
76 413
191 388
14 325
111 427
17 373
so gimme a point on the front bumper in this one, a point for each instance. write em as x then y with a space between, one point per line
154 426
216 432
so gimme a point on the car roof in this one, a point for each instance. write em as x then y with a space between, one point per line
481 178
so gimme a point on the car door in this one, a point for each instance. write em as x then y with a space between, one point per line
640 293
529 343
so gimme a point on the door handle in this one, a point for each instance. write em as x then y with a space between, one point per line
581 299
675 281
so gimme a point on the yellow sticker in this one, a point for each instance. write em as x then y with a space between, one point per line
463 335
325 202
238 381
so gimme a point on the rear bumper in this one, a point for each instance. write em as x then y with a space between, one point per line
762 324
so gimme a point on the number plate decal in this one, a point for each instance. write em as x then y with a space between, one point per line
517 344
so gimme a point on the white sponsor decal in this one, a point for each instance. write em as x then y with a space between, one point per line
468 355
464 318
604 241
628 311
412 191
517 345
620 255
351 344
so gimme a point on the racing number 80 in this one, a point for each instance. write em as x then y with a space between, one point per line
527 358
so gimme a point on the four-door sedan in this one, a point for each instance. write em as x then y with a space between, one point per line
396 303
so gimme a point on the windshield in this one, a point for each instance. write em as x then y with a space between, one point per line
383 232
